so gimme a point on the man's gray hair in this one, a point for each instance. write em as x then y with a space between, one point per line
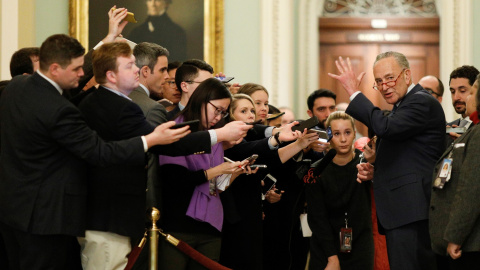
147 53
400 58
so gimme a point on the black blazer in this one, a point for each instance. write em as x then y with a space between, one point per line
116 200
411 141
45 143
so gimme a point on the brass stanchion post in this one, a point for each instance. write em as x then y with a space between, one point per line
154 232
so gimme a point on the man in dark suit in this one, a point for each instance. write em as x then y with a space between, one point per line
410 142
45 147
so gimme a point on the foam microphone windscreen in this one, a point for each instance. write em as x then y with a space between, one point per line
324 162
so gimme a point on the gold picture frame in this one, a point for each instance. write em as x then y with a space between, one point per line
213 41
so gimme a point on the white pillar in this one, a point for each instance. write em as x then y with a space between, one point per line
8 35
276 34
456 30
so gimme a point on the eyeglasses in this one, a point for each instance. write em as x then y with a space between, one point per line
219 111
388 84
431 92
171 83
192 82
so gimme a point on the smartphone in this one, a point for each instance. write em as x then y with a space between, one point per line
329 134
254 122
307 124
373 139
130 17
225 79
322 135
252 158
254 166
459 130
268 182
193 125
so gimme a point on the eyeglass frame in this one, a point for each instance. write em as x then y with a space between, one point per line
375 86
192 82
431 92
218 111
170 83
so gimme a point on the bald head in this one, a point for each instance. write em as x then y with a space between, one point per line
433 85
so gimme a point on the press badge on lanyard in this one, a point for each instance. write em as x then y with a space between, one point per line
444 173
346 237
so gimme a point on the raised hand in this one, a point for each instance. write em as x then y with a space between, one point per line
347 77
115 24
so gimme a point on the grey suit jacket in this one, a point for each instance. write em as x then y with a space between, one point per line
153 111
455 209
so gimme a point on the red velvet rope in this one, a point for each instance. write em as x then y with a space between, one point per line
199 257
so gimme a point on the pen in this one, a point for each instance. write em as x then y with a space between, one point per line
231 161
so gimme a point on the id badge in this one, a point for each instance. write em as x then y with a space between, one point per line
443 175
346 239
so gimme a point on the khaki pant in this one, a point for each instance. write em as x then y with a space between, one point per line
104 250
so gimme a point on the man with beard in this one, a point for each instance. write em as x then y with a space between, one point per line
321 103
461 80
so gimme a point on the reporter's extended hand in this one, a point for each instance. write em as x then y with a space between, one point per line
287 134
115 24
319 146
305 139
232 132
272 196
163 134
454 135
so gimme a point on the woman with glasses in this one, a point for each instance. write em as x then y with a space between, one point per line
192 210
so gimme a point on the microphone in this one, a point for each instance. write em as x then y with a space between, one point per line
322 164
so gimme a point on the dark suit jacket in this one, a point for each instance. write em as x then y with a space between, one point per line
171 114
45 143
116 200
455 209
411 140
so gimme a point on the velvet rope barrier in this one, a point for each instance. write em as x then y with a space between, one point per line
154 215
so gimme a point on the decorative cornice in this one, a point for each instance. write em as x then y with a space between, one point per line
375 8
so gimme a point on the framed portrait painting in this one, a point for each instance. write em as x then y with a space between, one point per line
187 28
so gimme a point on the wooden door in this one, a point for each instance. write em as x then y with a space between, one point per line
416 38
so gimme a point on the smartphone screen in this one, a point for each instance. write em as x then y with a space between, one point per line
268 182
225 79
